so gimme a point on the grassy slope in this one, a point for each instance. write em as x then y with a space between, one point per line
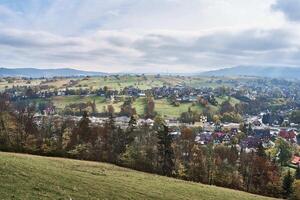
5 84
62 101
121 82
34 177
165 108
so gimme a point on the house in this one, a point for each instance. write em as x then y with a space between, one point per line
250 142
262 134
289 135
204 138
141 94
172 122
257 123
148 122
230 126
122 119
175 134
218 137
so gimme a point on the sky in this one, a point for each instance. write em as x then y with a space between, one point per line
149 35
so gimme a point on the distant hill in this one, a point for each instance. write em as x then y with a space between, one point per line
270 72
37 73
35 177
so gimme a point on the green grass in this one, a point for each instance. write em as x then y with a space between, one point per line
30 177
139 105
232 100
162 106
61 102
165 108
121 82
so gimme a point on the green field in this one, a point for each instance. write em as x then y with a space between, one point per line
62 101
162 106
232 100
122 81
34 177
165 108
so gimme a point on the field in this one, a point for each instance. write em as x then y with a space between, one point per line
162 106
5 84
34 177
119 82
62 101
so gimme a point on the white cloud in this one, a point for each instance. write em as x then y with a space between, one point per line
126 35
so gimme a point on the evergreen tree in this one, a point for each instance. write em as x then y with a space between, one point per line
287 185
84 130
130 131
116 140
165 151
118 144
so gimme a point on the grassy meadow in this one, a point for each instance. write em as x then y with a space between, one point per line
120 82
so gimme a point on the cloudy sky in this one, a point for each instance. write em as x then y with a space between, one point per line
149 35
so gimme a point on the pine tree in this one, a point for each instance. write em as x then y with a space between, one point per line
130 131
287 185
116 140
165 151
84 130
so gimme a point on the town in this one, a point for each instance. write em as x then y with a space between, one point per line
246 112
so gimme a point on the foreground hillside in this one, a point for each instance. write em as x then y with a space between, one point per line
33 177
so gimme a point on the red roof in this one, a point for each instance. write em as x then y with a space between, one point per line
287 134
296 160
218 134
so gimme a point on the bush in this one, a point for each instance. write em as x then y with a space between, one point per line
82 151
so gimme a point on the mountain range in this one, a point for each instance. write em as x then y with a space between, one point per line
259 71
37 73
